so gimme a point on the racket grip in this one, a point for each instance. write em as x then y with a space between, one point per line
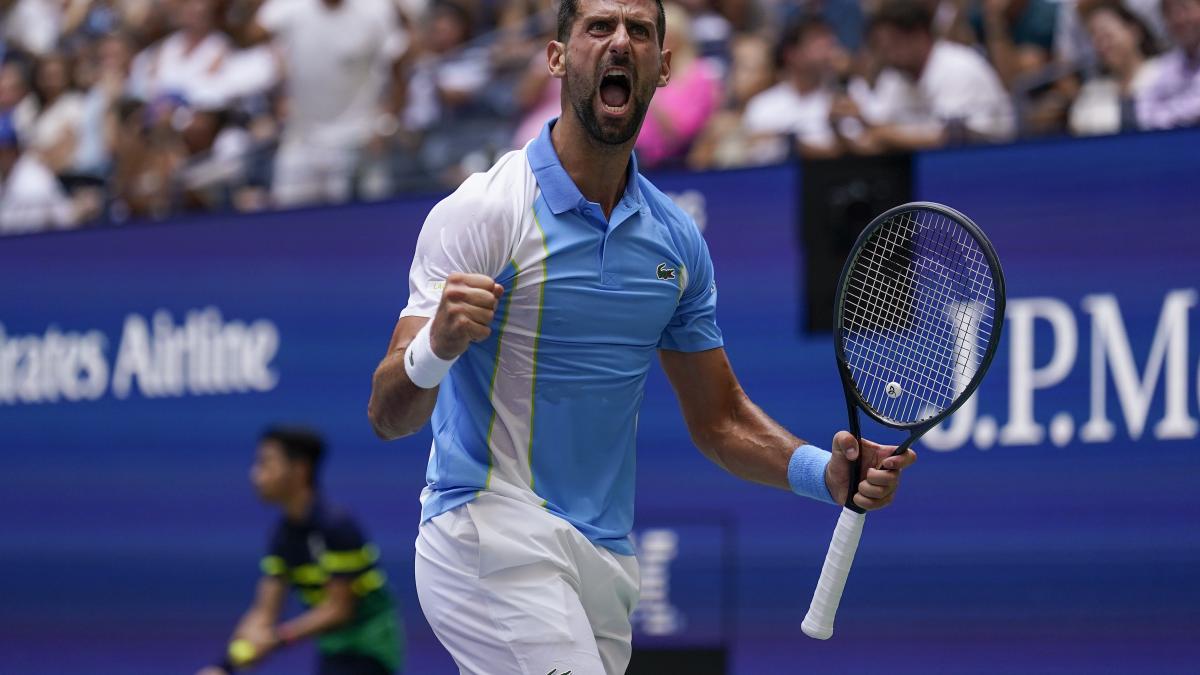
818 623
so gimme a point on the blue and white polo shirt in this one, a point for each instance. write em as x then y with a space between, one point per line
545 410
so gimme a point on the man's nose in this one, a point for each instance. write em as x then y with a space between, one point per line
619 44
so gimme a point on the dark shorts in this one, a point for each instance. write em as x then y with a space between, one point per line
350 664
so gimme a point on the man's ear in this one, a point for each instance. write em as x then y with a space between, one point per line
556 58
664 68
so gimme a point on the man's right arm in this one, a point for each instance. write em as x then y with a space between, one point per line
398 407
259 621
257 625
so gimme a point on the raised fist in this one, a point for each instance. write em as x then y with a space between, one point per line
464 314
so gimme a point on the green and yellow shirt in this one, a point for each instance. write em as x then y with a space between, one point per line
330 544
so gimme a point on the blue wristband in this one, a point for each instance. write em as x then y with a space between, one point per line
806 473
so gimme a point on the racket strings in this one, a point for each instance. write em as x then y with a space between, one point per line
903 272
869 316
876 358
889 304
886 261
918 311
891 365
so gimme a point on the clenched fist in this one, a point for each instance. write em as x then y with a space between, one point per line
464 314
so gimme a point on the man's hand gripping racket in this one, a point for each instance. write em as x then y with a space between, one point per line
917 320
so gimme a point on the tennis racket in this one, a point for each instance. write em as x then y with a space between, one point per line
920 304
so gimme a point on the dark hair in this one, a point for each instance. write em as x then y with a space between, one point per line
300 444
1148 45
568 9
908 16
459 10
797 31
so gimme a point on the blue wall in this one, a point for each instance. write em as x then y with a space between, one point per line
130 535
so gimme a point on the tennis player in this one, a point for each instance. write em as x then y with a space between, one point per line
321 551
539 294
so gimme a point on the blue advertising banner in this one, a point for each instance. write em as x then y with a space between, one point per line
1048 526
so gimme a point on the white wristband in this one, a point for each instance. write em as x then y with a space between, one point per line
425 369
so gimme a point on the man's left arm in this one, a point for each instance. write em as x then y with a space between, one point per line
742 439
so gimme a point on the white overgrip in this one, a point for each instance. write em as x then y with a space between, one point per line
818 623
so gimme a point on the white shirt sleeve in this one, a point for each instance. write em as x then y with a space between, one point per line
467 232
32 199
1172 98
138 84
965 87
33 24
757 118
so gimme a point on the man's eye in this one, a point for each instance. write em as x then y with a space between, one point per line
600 26
639 31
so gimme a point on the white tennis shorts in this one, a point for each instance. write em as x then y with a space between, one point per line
512 589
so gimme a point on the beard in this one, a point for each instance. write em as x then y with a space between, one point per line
584 90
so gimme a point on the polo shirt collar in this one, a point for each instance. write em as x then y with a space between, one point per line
559 190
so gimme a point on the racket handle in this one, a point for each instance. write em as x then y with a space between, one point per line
818 623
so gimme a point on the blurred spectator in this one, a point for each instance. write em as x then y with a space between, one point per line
98 124
338 56
745 16
102 70
85 21
678 111
539 98
725 142
797 108
216 150
536 95
711 32
1073 44
15 101
149 152
31 198
1125 47
930 93
146 107
187 63
460 129
54 135
1172 99
447 73
522 30
845 17
89 19
529 19
32 25
1017 34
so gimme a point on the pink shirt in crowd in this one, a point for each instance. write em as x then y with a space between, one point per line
688 101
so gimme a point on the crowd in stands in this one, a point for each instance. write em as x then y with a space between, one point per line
113 110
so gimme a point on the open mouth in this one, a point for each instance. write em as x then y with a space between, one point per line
615 90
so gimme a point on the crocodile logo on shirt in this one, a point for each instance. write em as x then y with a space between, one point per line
665 273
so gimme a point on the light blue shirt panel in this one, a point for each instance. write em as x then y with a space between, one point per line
693 326
612 296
